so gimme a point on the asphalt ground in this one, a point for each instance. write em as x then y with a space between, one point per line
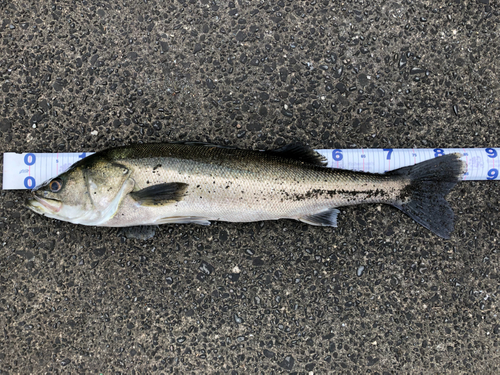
379 294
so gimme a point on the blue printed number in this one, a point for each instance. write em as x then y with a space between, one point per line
492 153
81 156
438 152
29 182
29 159
337 155
389 153
492 174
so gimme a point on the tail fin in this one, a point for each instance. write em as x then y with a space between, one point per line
430 182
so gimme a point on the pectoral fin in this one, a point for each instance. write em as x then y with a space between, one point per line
326 218
160 194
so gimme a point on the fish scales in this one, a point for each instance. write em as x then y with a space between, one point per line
240 186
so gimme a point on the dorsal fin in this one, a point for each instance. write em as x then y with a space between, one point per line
294 151
301 153
206 144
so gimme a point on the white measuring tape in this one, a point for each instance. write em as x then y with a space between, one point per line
26 171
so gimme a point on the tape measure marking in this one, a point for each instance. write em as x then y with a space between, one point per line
26 171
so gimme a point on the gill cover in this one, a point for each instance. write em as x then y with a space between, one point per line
107 184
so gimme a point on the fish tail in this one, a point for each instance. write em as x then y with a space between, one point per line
424 197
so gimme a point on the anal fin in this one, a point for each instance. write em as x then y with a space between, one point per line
160 194
327 218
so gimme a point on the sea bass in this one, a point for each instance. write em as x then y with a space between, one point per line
151 184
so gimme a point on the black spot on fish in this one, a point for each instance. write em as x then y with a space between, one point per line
316 193
156 167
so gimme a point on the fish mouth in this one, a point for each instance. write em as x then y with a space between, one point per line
43 205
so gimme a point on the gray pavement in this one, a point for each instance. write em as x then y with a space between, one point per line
379 294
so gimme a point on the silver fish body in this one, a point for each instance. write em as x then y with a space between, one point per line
198 183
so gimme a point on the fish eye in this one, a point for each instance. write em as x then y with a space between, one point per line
55 185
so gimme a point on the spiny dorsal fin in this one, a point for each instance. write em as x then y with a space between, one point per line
294 151
160 194
301 153
205 144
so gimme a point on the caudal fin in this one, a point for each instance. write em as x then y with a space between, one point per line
431 181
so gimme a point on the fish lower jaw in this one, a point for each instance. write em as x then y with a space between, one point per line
65 213
91 218
40 209
35 206
49 205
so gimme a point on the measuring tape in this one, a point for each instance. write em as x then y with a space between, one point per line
26 171
482 163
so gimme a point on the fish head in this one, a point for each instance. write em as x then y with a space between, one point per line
64 197
88 193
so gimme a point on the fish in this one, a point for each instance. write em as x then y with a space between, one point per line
193 182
